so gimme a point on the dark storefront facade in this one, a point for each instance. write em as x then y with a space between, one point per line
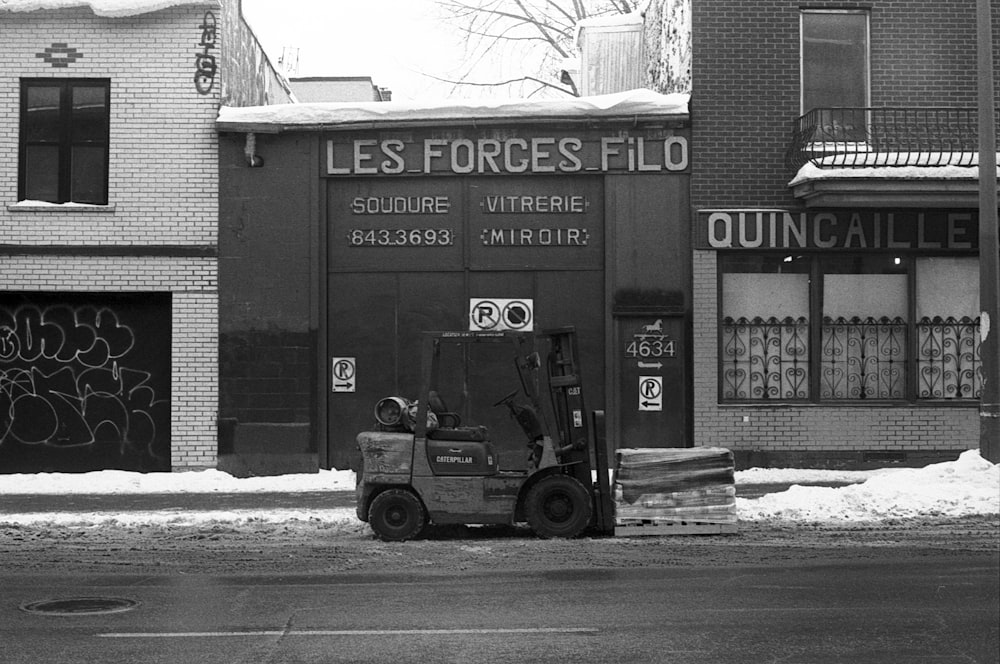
371 236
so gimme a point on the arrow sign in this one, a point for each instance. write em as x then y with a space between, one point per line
342 371
650 393
650 365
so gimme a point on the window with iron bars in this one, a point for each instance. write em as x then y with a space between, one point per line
862 328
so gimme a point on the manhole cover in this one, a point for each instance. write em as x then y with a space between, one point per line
80 605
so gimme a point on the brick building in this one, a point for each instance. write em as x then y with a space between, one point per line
835 226
108 228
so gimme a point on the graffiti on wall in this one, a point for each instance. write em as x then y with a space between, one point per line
75 376
204 60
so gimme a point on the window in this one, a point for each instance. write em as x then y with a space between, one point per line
835 70
64 140
765 333
873 327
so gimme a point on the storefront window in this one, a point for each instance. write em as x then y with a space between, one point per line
890 328
863 336
765 330
948 365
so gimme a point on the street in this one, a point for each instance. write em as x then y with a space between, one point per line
896 605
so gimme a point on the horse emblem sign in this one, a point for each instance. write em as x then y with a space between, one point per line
651 343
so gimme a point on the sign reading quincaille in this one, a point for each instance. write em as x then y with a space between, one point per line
837 229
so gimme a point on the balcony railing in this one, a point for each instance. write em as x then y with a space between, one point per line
873 137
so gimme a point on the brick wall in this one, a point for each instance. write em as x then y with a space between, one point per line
158 232
746 83
248 76
745 98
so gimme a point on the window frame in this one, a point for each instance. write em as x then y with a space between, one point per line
65 142
911 391
850 140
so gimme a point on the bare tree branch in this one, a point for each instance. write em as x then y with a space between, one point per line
494 84
532 36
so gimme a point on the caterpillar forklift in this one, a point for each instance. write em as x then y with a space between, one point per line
422 464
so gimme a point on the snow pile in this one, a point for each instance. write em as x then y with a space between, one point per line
200 481
109 8
967 486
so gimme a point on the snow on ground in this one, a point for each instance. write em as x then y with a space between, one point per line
198 481
969 485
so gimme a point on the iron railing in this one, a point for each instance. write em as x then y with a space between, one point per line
886 136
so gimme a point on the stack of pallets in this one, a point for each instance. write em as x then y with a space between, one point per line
674 491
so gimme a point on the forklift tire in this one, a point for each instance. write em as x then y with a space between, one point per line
396 515
558 506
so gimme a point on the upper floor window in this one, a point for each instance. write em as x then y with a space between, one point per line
835 64
64 140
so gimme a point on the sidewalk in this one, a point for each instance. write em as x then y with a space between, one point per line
251 501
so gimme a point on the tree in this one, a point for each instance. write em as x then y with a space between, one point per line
519 47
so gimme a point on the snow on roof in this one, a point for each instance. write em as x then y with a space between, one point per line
878 165
611 20
109 8
631 105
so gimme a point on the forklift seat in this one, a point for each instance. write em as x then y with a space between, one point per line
446 418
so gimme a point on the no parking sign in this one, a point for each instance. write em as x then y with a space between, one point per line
499 314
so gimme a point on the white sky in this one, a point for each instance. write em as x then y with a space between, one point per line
967 486
392 41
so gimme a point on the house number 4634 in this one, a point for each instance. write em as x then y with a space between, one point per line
651 348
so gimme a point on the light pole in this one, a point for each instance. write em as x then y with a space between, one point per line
989 251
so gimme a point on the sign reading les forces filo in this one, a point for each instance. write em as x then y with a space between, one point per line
837 229
507 155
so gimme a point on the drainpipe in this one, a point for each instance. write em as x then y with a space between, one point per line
989 251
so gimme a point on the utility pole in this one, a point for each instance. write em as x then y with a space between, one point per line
989 250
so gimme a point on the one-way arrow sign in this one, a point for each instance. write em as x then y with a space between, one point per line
343 370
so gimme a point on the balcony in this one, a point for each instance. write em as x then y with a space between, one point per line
885 156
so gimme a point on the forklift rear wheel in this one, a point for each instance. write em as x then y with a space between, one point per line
396 515
558 506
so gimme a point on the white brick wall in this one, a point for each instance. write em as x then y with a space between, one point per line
163 187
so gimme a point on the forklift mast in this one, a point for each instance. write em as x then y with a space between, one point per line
580 444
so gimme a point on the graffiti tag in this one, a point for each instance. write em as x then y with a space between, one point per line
63 381
204 61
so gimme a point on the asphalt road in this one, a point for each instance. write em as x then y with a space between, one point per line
913 610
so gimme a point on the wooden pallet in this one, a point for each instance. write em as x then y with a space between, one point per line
645 527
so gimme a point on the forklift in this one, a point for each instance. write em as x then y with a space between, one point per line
423 465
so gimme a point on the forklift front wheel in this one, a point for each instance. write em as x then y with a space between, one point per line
558 506
396 515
